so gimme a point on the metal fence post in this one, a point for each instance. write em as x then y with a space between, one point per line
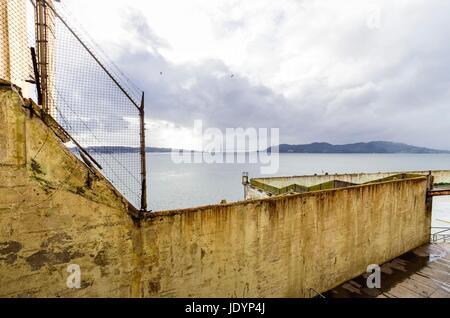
41 41
37 77
143 156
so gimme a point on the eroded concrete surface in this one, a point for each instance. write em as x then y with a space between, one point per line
56 211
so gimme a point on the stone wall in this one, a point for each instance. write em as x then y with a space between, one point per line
56 211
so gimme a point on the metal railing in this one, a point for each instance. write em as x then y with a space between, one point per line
441 235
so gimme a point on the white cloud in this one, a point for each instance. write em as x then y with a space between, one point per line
338 71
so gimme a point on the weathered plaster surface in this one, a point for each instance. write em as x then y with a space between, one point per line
284 246
54 212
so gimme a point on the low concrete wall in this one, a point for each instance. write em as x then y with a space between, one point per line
440 176
284 246
55 211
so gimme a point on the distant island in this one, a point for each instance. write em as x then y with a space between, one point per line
361 147
122 149
316 147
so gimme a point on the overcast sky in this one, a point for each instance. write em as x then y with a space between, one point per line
335 71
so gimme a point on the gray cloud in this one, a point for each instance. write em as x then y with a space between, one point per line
399 90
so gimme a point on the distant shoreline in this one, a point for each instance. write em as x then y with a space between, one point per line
284 153
374 147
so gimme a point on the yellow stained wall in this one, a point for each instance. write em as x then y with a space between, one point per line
54 212
284 246
15 56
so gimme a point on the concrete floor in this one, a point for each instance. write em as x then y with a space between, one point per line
422 273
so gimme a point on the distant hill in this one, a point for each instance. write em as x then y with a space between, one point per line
112 149
317 147
361 147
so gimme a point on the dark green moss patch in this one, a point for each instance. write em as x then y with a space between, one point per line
36 167
80 190
47 186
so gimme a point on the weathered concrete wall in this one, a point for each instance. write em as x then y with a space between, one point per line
252 193
54 211
440 176
283 246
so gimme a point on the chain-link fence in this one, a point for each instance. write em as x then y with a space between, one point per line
85 93
16 38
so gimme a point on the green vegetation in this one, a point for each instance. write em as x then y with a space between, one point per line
36 167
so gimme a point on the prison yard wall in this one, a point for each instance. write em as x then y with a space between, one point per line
440 177
56 211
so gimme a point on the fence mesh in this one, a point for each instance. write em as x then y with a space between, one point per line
96 112
87 95
16 37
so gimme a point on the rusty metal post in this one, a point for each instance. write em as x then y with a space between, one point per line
430 184
429 201
245 183
143 156
37 79
41 44
45 45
